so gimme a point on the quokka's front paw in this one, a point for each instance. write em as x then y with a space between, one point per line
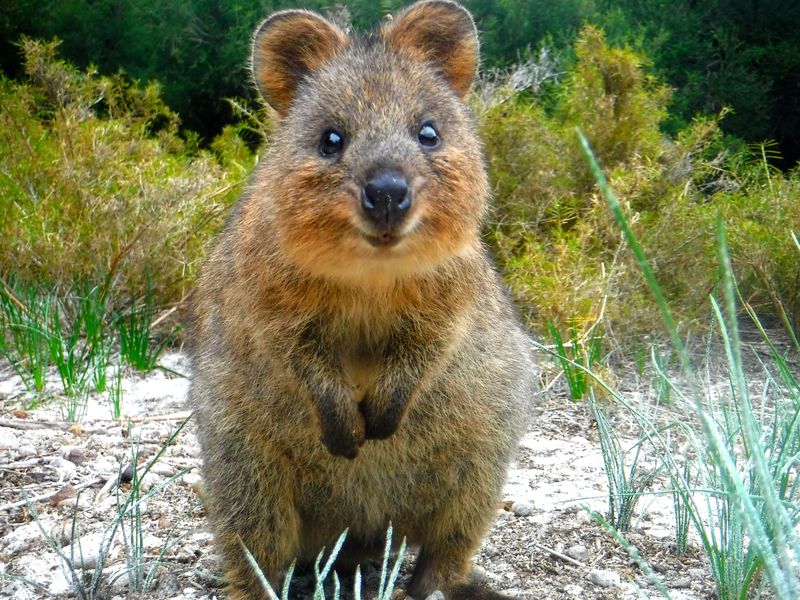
382 417
345 444
342 436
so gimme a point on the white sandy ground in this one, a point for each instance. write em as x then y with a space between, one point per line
559 468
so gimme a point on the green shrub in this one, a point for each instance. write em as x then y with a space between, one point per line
96 181
554 237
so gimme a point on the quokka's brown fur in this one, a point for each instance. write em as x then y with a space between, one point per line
348 370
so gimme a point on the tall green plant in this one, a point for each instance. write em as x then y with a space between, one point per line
26 315
135 334
753 523
585 353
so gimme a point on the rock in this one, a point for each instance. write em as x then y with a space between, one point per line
164 469
604 578
73 454
478 574
681 583
437 595
20 539
66 470
578 552
106 467
504 515
522 508
697 573
118 581
195 481
574 591
25 450
167 585
208 569
192 451
126 475
85 551
67 491
8 439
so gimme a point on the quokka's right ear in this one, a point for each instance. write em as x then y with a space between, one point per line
287 47
441 33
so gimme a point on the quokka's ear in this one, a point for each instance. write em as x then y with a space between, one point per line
287 47
440 33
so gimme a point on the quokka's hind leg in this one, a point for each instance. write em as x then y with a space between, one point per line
452 535
250 503
357 551
446 571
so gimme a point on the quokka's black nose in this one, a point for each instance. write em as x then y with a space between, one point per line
386 198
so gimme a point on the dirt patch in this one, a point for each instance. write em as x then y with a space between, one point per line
544 544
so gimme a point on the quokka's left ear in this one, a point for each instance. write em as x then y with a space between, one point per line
440 33
289 46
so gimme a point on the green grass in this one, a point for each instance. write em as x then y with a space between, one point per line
745 509
26 319
585 353
115 393
73 332
142 568
135 328
386 586
627 478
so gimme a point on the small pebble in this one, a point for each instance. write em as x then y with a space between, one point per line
66 470
26 450
193 480
578 552
106 467
193 451
73 454
697 573
126 476
574 591
522 508
604 578
67 491
681 583
167 584
504 515
163 469
478 574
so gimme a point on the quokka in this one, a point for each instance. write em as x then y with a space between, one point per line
355 358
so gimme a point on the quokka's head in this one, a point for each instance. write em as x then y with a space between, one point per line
375 172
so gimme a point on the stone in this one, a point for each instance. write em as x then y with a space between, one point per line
577 552
522 508
604 578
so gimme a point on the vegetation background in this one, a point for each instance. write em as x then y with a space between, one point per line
129 127
125 142
715 53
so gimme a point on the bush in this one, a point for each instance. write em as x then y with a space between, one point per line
96 181
555 238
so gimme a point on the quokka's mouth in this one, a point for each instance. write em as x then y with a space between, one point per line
387 239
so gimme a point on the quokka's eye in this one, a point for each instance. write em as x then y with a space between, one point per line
331 143
428 136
